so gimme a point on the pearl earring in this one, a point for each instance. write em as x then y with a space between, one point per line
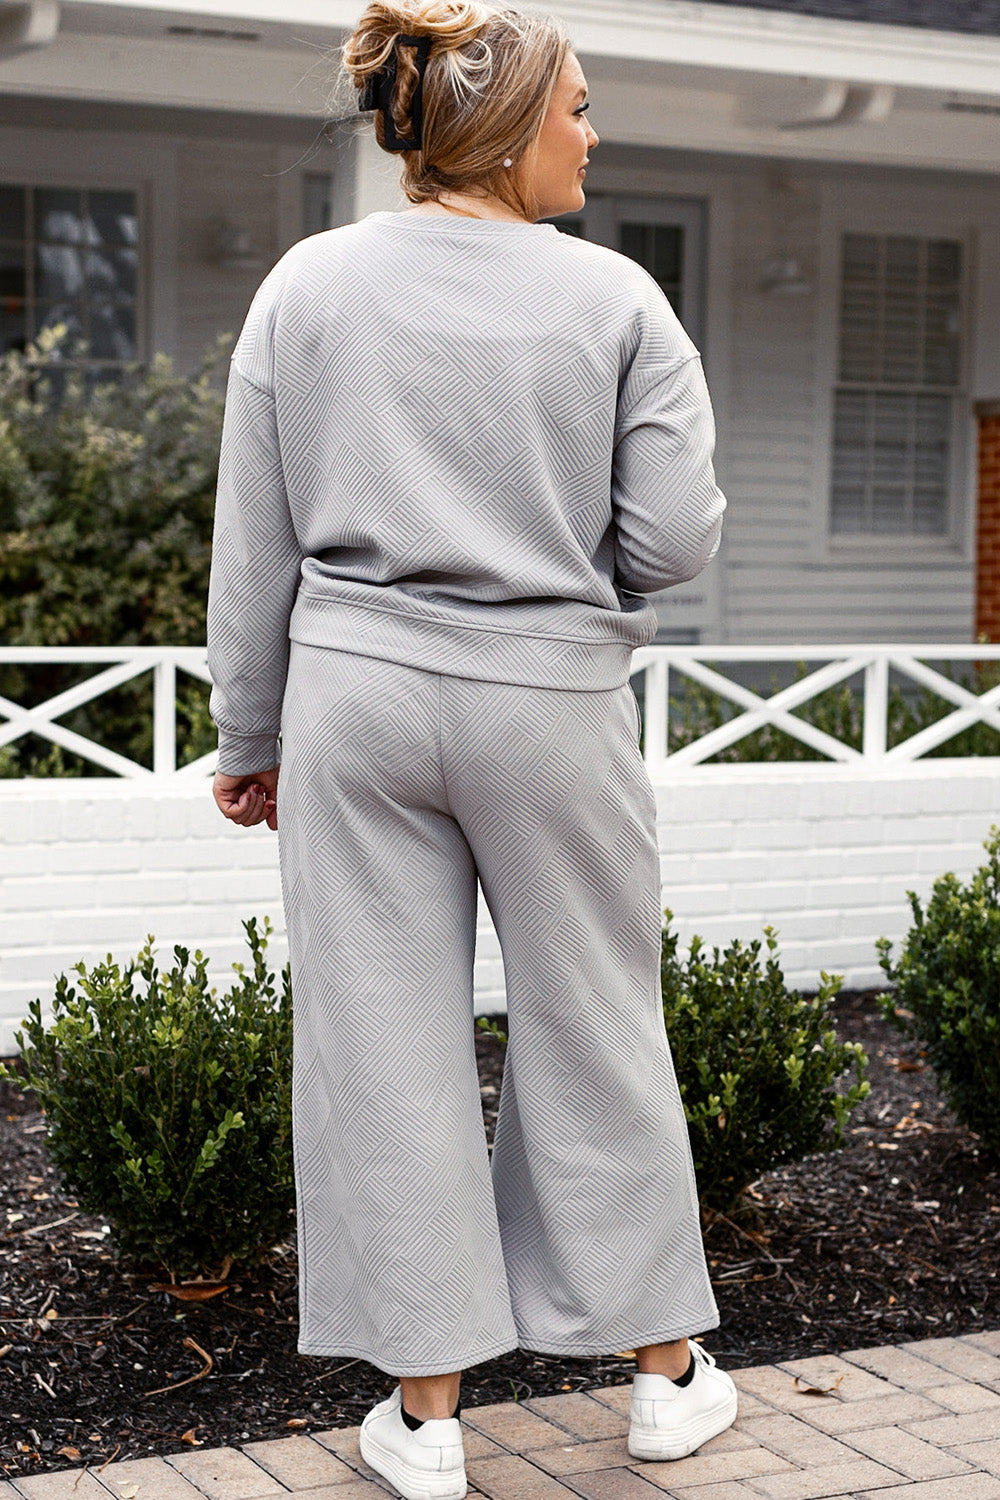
507 161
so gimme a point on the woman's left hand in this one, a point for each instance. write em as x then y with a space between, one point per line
248 800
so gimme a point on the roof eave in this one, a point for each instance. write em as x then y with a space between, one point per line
745 40
692 33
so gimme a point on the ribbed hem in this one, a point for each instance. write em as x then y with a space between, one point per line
585 1349
590 652
245 754
445 1366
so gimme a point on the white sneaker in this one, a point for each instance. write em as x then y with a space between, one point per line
671 1421
426 1464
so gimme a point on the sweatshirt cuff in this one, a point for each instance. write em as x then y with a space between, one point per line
244 754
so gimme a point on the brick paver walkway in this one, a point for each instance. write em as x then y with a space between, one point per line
920 1421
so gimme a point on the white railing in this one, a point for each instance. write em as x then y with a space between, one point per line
120 664
656 665
658 669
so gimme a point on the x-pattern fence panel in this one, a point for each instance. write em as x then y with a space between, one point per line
658 671
661 671
119 665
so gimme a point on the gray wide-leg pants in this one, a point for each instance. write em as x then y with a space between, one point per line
398 788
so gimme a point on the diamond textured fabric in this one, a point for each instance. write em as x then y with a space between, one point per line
467 446
417 1253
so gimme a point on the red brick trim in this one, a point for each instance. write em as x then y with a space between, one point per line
988 523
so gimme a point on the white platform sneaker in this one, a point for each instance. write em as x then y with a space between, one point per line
426 1464
671 1421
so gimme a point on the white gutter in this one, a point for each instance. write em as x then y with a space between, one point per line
687 34
760 41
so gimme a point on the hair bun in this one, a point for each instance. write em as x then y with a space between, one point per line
449 24
490 72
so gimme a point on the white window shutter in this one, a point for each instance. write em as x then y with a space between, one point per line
898 385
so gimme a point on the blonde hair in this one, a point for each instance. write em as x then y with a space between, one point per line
488 81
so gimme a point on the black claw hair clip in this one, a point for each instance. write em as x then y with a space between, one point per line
379 88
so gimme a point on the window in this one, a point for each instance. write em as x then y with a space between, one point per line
897 395
70 256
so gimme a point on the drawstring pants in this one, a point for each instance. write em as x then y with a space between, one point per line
399 789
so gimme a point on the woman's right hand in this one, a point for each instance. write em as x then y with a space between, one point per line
248 800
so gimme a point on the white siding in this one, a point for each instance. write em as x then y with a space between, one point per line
877 603
768 439
785 581
217 180
190 170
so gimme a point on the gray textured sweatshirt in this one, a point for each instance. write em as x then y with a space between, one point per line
468 446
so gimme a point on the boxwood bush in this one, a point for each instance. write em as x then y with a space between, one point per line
760 1069
761 1073
169 1105
106 502
945 990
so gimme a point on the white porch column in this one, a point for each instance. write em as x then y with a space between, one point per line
376 178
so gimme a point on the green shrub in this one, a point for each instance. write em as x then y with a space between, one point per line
169 1106
757 1064
106 503
946 990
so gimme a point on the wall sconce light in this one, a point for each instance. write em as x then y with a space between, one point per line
231 247
782 276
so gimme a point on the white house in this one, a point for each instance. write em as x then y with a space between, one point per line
814 182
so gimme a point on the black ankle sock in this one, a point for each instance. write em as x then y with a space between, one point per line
688 1375
414 1422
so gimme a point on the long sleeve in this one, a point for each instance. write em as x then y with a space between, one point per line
667 506
256 562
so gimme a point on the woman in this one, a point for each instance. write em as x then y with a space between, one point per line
459 450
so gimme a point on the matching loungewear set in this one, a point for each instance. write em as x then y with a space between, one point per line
457 454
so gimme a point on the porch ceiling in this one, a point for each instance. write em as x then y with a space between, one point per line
662 72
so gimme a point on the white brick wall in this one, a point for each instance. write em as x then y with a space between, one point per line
823 855
820 852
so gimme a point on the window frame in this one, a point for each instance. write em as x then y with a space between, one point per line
98 366
857 209
337 160
110 161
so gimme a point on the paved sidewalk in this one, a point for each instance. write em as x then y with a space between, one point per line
918 1421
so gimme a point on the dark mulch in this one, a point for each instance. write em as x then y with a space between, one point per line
893 1238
